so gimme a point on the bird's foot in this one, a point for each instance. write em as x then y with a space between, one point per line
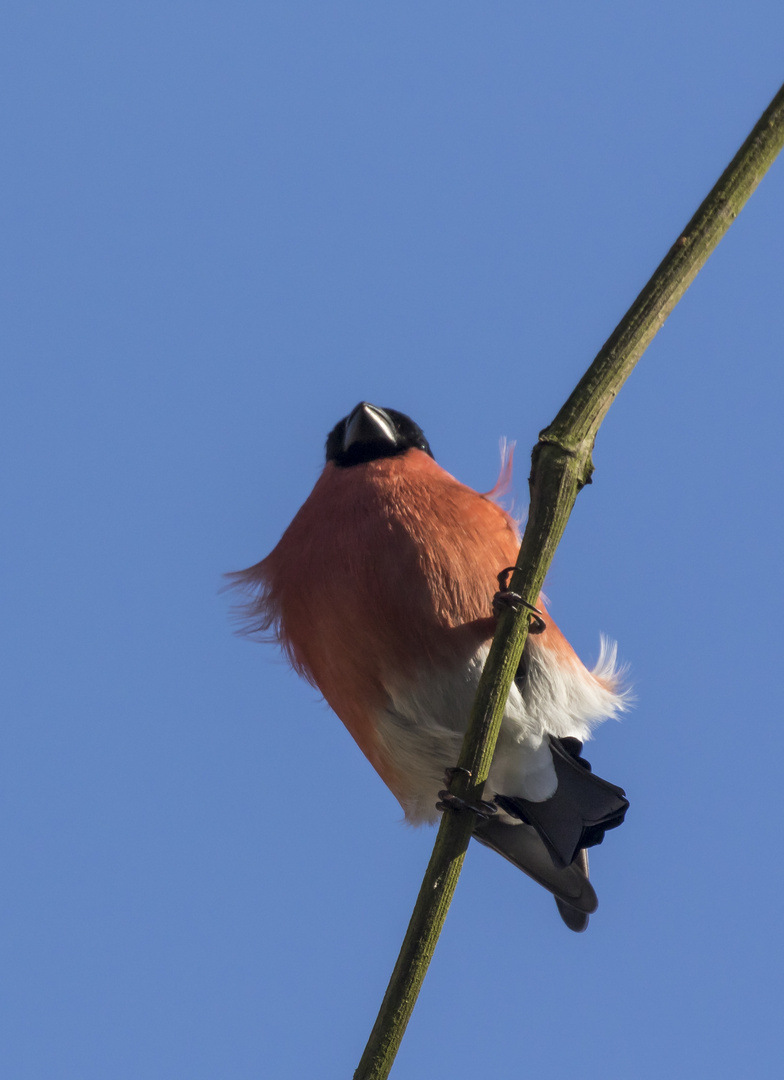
505 600
448 801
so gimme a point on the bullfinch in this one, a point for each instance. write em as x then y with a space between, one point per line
381 593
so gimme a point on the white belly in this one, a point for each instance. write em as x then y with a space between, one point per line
423 725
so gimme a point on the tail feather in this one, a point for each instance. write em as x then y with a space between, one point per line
574 918
550 841
522 846
577 816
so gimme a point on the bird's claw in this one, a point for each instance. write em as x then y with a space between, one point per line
448 801
505 600
455 770
482 809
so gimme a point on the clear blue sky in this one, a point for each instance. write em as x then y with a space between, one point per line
224 225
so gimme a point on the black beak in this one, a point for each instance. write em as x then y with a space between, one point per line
371 427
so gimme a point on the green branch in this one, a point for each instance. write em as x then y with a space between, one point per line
561 466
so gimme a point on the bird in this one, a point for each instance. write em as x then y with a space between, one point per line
383 592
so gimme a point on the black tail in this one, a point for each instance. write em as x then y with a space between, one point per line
579 813
550 844
521 845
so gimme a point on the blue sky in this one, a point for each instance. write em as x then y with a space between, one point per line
225 224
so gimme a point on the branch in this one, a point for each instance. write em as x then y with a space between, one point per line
561 466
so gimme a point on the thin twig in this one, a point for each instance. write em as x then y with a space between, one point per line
561 466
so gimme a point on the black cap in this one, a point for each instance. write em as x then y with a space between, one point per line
369 433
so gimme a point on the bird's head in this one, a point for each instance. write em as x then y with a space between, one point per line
369 433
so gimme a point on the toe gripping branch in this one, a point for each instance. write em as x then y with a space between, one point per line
505 599
448 801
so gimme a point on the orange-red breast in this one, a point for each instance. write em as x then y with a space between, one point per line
381 594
